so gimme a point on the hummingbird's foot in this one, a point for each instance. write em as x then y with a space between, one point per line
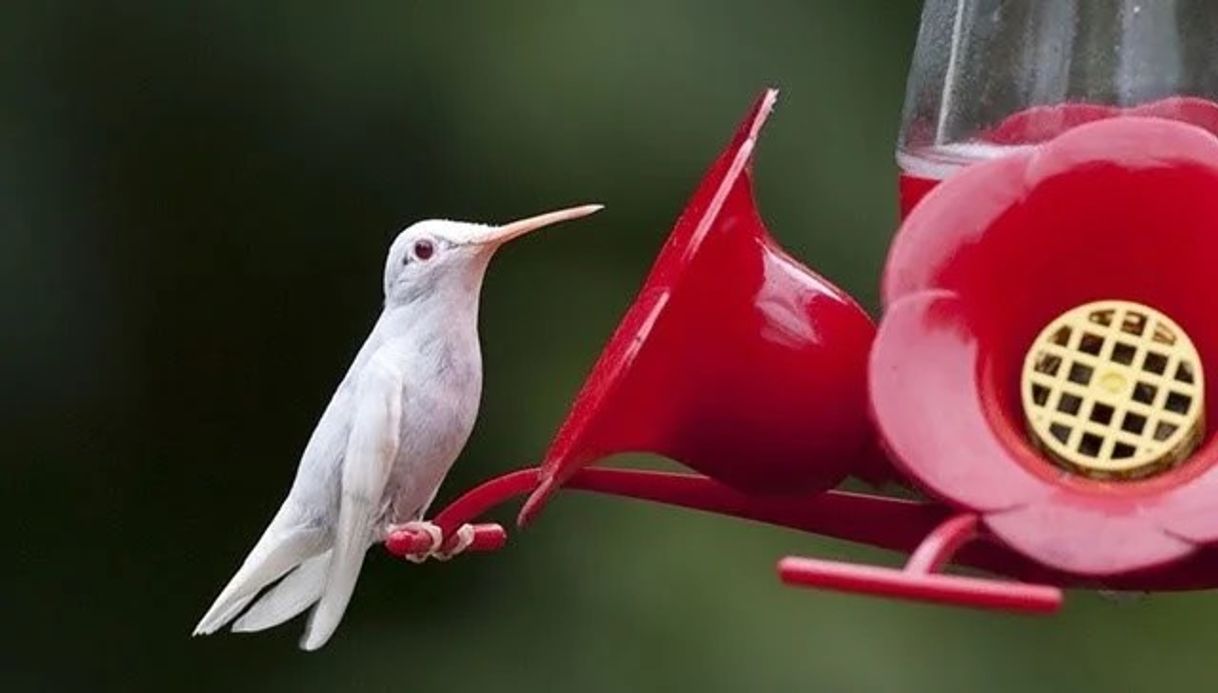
462 539
419 527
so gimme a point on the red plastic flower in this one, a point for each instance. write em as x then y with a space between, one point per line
1118 209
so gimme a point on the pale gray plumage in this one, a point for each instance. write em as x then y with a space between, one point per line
385 442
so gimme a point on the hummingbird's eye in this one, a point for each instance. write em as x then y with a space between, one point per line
424 249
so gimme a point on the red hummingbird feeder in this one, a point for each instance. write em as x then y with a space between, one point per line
1040 368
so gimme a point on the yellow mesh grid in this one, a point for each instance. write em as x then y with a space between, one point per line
1114 390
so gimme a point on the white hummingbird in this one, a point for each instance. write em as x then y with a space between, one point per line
384 444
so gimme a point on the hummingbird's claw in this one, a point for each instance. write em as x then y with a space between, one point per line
429 529
419 540
462 539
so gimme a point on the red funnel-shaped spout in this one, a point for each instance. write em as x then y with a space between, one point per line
735 359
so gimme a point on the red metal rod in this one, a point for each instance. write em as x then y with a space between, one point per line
940 545
876 520
879 521
483 498
890 523
920 580
487 537
943 589
473 504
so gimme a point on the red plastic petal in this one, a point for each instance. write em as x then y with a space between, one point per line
1087 535
1122 208
1190 109
1043 123
1131 143
1187 506
930 407
948 224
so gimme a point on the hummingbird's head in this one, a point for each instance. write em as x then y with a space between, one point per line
438 256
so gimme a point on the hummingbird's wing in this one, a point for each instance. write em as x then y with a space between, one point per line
371 449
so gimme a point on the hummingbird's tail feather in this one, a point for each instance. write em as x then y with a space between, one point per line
355 520
296 592
278 551
218 620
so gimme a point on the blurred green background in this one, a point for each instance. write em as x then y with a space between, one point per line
195 200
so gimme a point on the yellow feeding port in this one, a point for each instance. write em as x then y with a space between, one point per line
1114 390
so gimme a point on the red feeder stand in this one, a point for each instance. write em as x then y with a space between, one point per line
1013 295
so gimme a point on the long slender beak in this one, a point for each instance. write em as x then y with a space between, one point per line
502 234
